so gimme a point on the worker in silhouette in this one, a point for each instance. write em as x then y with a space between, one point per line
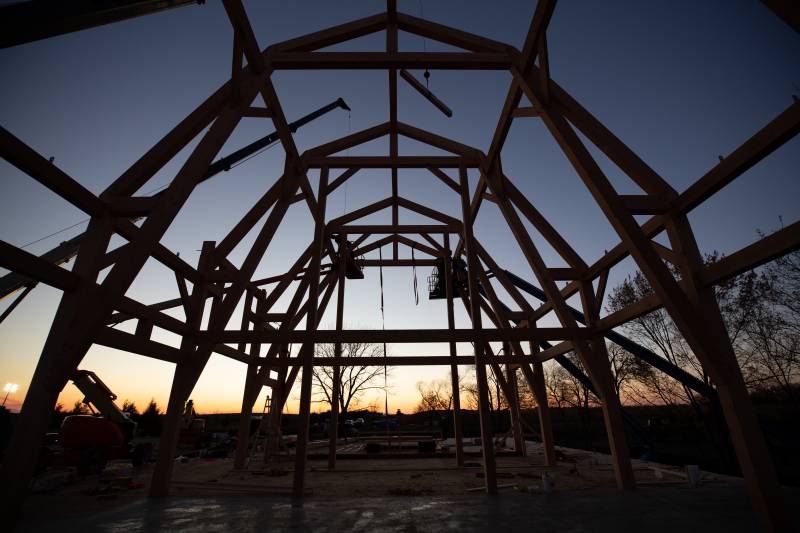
188 414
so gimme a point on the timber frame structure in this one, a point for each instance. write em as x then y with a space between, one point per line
87 306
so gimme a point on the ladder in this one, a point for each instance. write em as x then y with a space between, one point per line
259 439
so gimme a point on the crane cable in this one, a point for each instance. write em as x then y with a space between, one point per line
426 74
349 130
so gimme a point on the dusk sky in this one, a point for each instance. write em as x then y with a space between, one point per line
681 82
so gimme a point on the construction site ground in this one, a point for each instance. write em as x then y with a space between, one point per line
398 493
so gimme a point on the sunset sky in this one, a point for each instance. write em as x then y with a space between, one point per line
681 82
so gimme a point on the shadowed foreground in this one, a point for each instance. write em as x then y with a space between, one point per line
724 509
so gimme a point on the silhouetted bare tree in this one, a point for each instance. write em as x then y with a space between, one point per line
355 379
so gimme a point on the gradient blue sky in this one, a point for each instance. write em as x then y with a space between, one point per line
681 82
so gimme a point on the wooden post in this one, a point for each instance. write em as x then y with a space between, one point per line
307 350
600 371
243 434
391 48
61 355
746 435
487 444
187 371
513 403
333 426
455 385
276 405
536 382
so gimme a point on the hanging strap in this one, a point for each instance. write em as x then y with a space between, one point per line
383 328
414 270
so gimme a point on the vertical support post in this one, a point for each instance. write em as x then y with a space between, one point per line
720 362
536 382
333 426
307 354
242 438
513 403
599 369
187 371
391 48
487 446
455 385
273 444
600 372
62 353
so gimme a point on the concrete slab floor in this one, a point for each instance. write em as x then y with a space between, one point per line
668 509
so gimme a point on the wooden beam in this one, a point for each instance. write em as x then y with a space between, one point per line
381 60
343 177
398 262
529 111
448 35
418 246
403 360
48 174
121 340
394 335
766 249
333 35
426 93
348 141
438 141
643 204
389 162
402 228
447 180
22 262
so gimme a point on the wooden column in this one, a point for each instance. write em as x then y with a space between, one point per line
513 403
243 436
391 48
277 402
61 355
535 378
333 426
487 445
720 362
600 370
307 350
455 385
187 372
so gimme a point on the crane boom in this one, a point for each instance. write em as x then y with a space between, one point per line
12 282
